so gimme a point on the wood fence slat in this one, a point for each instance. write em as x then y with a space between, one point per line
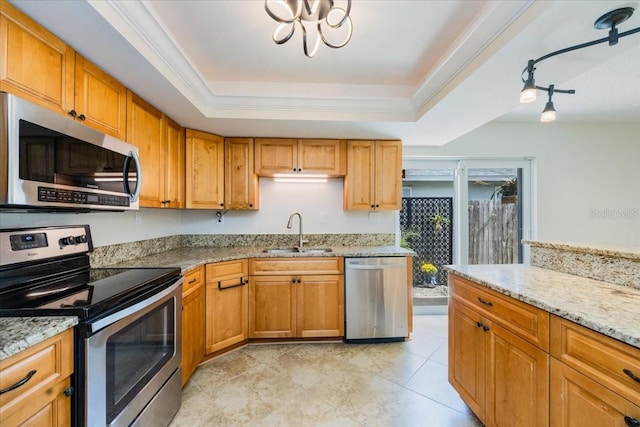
493 232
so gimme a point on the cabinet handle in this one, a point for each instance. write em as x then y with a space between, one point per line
68 392
192 281
19 383
480 325
242 283
73 113
631 375
631 422
489 303
82 117
485 328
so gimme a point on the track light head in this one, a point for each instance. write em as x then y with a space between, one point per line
549 112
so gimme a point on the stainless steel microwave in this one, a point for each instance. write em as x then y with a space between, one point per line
49 162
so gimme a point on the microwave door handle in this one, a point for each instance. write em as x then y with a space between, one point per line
127 163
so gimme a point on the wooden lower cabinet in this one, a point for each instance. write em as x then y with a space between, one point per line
296 305
43 400
502 377
193 316
577 400
227 305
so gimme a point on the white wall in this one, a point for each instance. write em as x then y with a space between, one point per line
319 203
588 175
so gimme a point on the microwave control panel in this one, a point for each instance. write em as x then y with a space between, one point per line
57 195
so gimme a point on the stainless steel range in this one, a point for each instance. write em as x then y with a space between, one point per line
128 340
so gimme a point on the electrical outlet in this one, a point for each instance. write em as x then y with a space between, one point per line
374 217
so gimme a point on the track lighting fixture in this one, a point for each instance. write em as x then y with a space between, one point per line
609 20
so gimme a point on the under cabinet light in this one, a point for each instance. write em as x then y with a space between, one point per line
292 177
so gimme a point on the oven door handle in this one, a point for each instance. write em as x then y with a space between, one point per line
106 321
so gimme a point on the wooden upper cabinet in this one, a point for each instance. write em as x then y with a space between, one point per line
204 170
287 156
145 129
41 68
100 100
374 175
240 181
174 193
35 64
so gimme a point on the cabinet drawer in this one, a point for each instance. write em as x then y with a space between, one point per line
311 265
597 356
192 279
52 360
219 271
524 320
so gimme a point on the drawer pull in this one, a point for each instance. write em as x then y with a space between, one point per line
19 383
631 375
192 281
242 283
631 422
485 328
480 325
489 303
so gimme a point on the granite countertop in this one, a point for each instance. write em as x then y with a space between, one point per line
632 253
610 309
189 258
20 333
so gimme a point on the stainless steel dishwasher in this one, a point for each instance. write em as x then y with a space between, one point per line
376 299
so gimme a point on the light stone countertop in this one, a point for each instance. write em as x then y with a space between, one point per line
188 259
626 252
20 333
612 310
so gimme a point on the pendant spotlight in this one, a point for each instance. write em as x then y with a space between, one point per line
323 14
609 20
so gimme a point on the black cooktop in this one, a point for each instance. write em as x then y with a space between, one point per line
87 293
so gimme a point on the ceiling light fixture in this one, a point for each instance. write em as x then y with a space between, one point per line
609 20
323 14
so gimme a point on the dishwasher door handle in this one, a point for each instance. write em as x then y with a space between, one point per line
355 266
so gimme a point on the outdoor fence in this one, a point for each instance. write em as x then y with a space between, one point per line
493 232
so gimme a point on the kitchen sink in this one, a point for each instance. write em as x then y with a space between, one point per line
297 251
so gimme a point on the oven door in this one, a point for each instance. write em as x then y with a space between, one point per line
133 363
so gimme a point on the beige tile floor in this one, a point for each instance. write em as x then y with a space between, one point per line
329 384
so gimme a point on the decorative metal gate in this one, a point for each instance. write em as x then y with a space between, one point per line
432 243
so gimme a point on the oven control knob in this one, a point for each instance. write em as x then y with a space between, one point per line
65 241
81 239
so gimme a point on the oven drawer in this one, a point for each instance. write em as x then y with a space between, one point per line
52 361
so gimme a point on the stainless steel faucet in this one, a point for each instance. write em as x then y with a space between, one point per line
289 224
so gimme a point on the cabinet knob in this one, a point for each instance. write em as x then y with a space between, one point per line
221 204
479 324
73 113
485 328
631 422
68 392
377 206
82 117
250 205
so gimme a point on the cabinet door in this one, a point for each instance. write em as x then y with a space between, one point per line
145 129
467 356
320 306
276 155
35 64
321 156
100 100
576 401
205 170
360 179
175 166
241 183
227 313
271 307
193 304
388 179
517 381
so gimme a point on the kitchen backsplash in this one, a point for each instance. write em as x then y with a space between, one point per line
112 254
621 267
